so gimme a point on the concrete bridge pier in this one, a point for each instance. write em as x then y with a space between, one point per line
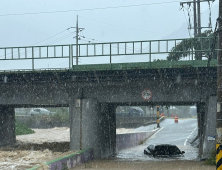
7 126
206 113
200 121
92 125
209 142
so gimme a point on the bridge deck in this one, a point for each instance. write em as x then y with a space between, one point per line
145 65
161 64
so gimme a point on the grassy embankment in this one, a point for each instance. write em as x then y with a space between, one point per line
21 129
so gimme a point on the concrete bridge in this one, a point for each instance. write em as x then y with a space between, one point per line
92 93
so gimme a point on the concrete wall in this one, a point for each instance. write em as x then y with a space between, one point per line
128 140
94 129
7 125
133 122
209 144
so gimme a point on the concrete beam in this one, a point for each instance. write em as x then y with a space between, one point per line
58 93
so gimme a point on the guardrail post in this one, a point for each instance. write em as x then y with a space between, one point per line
33 67
150 52
110 53
70 57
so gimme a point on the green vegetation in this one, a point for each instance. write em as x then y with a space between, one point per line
61 114
21 129
184 48
212 159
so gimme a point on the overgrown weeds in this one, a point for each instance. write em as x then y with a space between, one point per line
212 159
21 129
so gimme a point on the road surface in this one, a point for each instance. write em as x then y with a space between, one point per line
179 134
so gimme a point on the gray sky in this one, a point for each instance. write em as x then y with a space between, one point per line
104 21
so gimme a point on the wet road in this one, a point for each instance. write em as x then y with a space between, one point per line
179 134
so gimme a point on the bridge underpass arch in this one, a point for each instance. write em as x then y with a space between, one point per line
8 118
206 122
97 129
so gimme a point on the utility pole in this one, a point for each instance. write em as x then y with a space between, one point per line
77 37
77 41
198 16
219 93
197 21
195 18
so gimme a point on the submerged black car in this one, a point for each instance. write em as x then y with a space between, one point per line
163 150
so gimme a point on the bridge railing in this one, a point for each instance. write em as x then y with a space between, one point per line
153 49
144 47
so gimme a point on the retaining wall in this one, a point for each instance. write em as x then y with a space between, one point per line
128 140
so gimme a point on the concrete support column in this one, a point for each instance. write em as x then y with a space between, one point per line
108 114
200 121
210 127
7 126
74 116
96 129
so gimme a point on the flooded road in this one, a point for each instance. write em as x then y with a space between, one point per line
179 134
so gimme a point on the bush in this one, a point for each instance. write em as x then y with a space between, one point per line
61 115
21 129
212 159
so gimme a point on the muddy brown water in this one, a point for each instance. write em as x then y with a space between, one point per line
144 165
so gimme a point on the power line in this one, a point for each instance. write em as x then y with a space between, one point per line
120 26
49 43
88 9
50 37
59 39
188 23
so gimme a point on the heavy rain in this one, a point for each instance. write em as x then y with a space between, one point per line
110 85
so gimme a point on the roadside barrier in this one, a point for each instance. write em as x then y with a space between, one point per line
218 157
69 161
176 118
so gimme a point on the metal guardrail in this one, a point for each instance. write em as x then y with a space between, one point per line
110 49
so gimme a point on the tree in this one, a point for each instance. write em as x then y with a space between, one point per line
185 47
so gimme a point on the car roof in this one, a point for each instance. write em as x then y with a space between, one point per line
137 108
39 108
164 145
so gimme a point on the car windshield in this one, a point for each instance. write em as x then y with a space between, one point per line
151 147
